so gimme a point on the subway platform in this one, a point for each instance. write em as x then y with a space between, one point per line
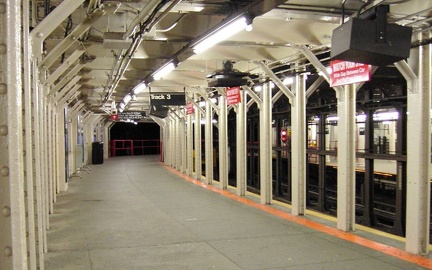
135 213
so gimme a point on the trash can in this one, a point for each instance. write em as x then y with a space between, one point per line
97 152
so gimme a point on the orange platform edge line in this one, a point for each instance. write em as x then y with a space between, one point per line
389 250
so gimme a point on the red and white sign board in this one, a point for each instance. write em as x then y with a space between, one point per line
190 108
233 95
114 117
344 72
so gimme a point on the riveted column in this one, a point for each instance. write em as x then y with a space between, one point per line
61 149
346 158
197 140
241 142
183 143
13 251
37 168
189 145
208 143
178 143
223 141
298 116
28 143
419 85
265 150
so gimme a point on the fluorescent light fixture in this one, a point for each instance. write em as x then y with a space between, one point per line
127 98
122 105
139 88
163 71
288 80
198 8
257 88
226 31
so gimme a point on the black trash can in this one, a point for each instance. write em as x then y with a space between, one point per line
97 152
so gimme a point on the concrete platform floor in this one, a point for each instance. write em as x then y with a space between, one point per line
133 213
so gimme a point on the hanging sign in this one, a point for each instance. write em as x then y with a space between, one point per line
131 115
114 117
190 108
344 72
167 98
233 95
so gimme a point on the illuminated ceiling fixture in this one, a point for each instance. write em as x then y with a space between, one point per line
229 29
163 71
127 98
139 88
288 80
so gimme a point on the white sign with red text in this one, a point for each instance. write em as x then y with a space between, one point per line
233 95
344 72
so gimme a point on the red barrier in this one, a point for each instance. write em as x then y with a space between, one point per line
133 147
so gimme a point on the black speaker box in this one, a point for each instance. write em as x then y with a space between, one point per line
357 41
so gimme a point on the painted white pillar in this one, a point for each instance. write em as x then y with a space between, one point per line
189 145
61 154
208 143
418 74
298 147
13 248
223 142
265 140
183 151
197 142
346 158
241 142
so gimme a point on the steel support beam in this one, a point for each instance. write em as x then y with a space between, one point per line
30 185
12 220
346 158
418 76
208 143
298 147
51 22
71 39
197 144
277 81
189 145
65 90
223 142
241 142
265 150
67 79
65 66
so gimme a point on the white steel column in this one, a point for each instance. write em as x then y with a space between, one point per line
418 75
37 166
30 186
12 220
178 138
265 146
106 138
182 135
241 141
49 164
208 143
61 152
346 158
189 145
197 140
298 146
223 142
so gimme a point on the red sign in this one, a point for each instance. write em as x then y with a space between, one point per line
344 72
190 108
233 95
114 117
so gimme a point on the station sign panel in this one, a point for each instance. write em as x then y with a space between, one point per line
233 95
344 72
190 108
129 115
167 99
